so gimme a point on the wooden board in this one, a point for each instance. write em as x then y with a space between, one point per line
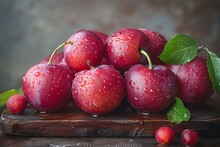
121 123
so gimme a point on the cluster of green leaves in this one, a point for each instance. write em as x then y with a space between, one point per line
182 49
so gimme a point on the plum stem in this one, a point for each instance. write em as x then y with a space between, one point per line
205 48
201 45
143 52
54 52
89 63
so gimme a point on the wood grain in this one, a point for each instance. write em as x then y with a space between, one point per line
121 123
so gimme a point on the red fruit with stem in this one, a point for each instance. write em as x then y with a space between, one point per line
157 42
99 90
150 89
189 137
17 104
86 46
194 84
123 48
48 86
164 135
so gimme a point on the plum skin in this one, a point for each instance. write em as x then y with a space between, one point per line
164 135
17 104
98 91
87 45
123 48
193 81
149 90
48 86
189 137
157 42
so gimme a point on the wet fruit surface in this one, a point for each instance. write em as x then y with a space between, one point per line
48 86
194 84
17 104
102 36
150 90
134 105
123 48
164 135
189 137
157 43
99 90
86 46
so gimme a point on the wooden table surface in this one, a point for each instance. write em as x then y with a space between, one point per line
207 140
8 141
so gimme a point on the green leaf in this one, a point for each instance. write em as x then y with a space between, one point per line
214 70
178 112
180 49
5 96
20 91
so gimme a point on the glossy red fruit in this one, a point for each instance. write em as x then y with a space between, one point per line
17 104
86 46
58 58
102 36
48 86
123 48
189 137
157 42
194 84
99 90
150 90
164 135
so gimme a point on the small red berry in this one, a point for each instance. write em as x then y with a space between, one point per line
189 137
164 135
16 104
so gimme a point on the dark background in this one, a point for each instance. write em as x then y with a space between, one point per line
30 29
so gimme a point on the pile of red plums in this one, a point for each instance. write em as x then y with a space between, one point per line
99 71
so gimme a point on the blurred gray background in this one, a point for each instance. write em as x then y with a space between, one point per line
31 29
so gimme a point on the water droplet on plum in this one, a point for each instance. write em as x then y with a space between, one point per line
136 98
49 72
37 74
83 83
24 79
152 91
92 81
119 33
95 115
131 83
